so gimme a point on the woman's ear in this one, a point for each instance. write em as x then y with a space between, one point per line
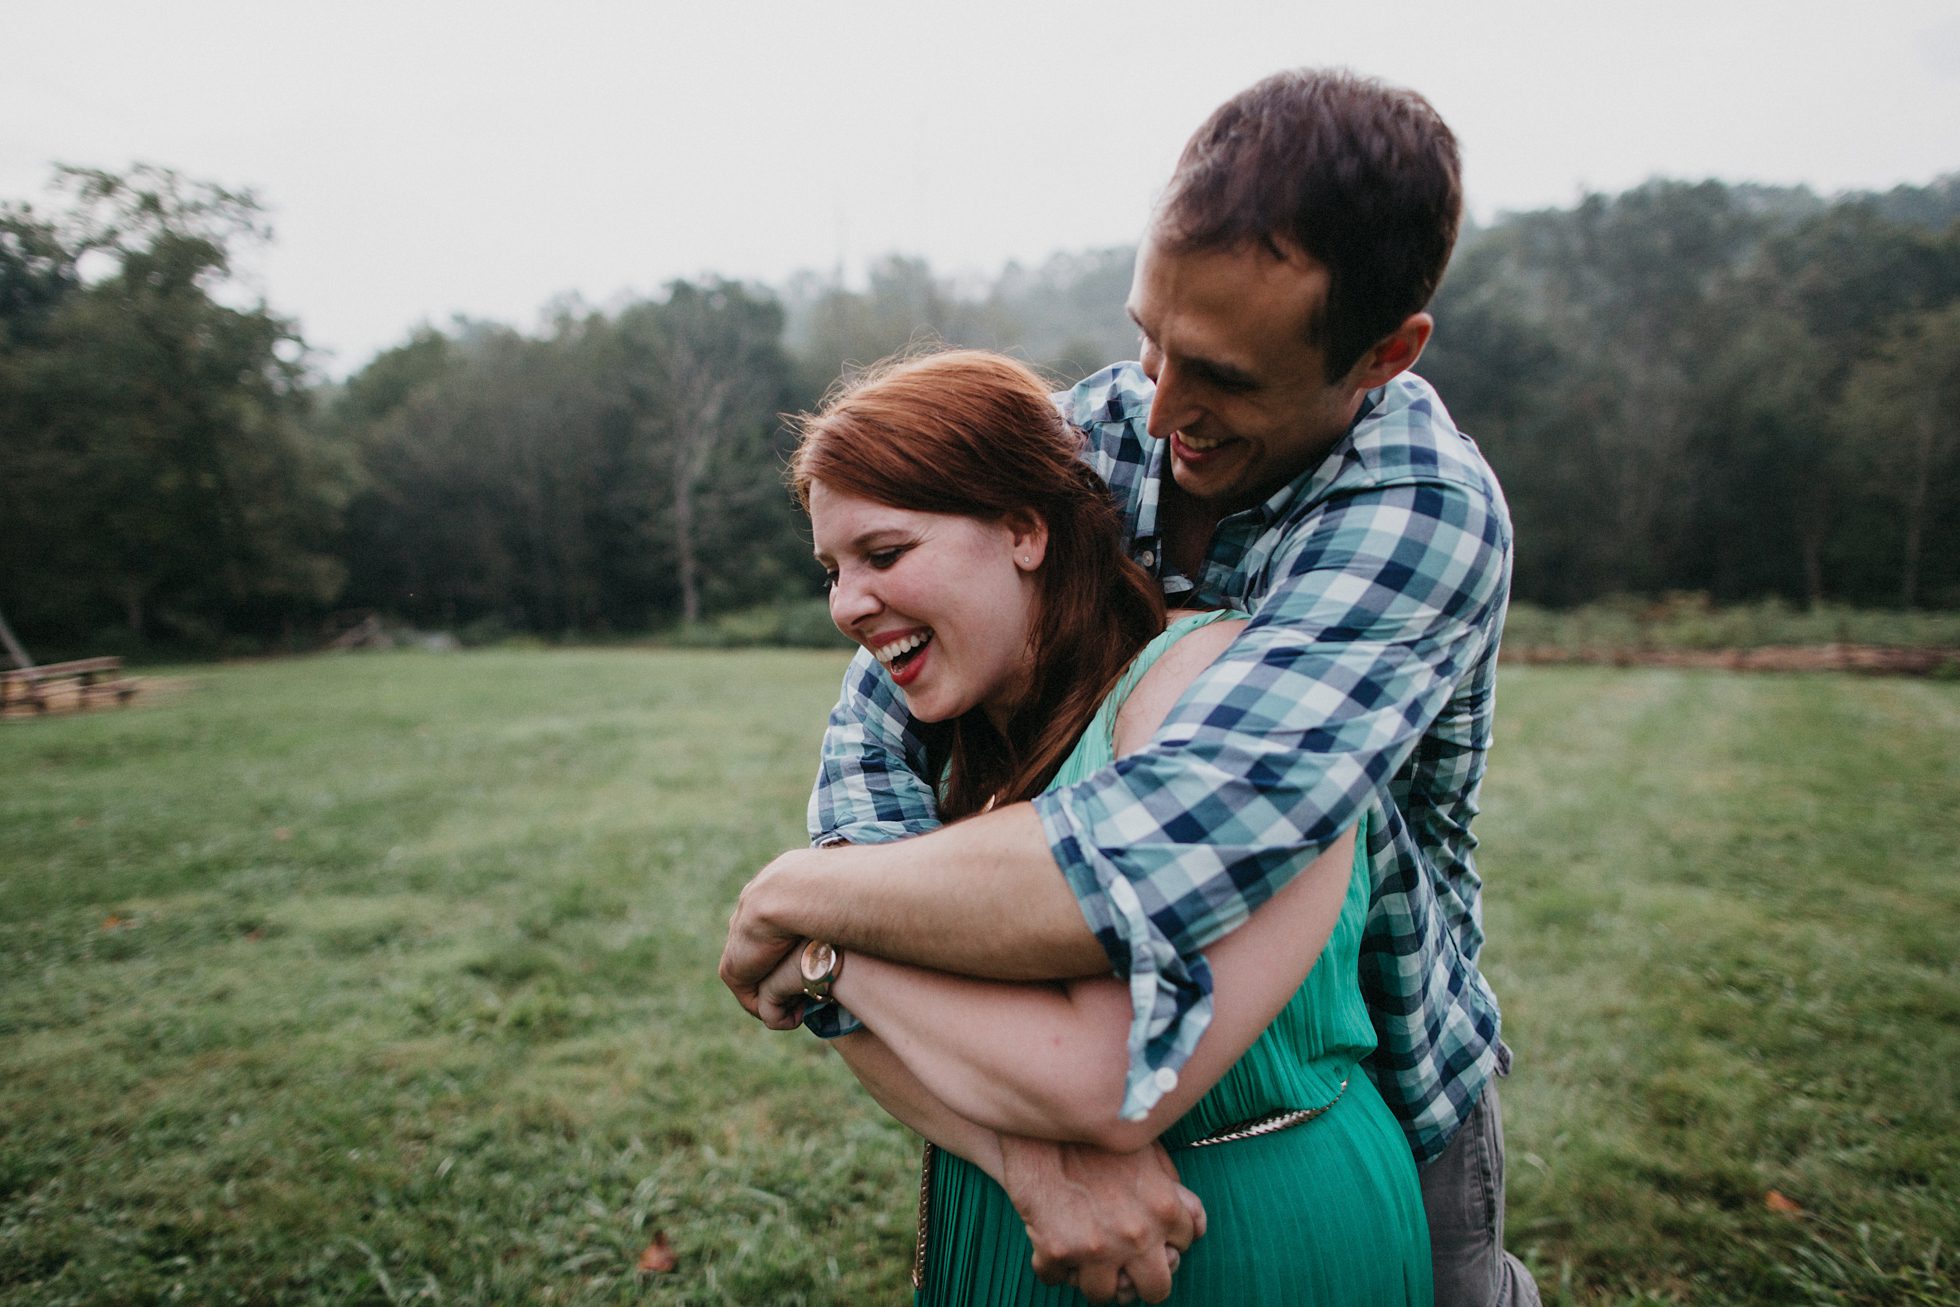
1030 531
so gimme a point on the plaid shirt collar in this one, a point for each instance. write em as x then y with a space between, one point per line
1147 546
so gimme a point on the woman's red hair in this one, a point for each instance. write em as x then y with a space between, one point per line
975 434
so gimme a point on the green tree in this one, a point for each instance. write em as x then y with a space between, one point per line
705 379
1901 415
484 468
158 463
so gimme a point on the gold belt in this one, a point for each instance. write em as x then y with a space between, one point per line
1272 1123
1266 1125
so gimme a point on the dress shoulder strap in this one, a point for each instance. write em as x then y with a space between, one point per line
1097 746
1103 727
1159 645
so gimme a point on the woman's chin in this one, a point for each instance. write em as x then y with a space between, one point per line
923 710
934 709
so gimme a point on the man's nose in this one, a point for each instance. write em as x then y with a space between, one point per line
1171 409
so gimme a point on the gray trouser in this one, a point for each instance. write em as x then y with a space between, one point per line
1463 1195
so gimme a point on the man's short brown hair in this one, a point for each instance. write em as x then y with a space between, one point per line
1361 176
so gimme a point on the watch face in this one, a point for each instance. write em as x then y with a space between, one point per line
817 960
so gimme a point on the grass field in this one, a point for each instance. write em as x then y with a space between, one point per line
390 978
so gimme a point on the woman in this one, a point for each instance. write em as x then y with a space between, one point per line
969 549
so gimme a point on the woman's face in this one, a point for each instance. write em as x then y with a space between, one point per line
947 603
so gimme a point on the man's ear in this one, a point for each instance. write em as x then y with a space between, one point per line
1030 538
1394 353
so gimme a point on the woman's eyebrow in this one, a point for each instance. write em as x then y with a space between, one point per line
859 541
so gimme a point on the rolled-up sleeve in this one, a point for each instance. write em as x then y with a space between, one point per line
1376 604
870 787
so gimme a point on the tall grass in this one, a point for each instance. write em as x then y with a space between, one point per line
390 978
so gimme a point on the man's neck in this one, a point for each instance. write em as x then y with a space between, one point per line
1187 525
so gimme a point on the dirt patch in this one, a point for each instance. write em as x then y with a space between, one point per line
1869 659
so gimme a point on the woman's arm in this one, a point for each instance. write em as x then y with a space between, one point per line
1097 1221
1048 1061
911 1104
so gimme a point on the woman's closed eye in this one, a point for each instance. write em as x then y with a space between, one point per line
879 560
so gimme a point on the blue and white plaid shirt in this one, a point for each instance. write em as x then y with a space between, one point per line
1376 585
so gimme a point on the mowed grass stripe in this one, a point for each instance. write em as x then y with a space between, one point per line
1717 945
390 978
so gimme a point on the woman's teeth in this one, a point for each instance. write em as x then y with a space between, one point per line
897 649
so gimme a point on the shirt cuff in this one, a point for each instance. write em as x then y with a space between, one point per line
1170 995
831 1021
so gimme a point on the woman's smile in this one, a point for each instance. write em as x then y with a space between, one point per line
905 656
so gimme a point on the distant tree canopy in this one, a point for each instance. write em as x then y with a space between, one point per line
1661 380
1738 390
156 465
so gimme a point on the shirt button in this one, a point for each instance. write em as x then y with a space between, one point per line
1166 1079
1147 559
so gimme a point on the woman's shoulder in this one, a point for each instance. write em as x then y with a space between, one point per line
1190 643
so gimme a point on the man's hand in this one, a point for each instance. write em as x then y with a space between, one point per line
756 948
780 997
1104 1222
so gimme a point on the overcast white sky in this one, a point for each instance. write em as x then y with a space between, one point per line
425 159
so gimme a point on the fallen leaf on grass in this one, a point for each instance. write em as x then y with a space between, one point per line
1777 1202
657 1258
80 823
114 922
282 833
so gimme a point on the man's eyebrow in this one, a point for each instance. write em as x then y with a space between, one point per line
1221 374
1218 374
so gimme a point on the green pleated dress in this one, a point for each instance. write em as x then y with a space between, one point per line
1327 1212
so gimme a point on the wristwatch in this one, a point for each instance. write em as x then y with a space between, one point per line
820 964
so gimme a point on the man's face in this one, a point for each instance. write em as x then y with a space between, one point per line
1241 394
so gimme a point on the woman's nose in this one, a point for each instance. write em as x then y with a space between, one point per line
852 600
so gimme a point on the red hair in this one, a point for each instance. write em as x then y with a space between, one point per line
974 434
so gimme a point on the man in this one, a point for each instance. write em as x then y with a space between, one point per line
1272 455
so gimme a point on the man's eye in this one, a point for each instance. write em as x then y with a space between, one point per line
830 578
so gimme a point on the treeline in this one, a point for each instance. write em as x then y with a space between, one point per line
1732 390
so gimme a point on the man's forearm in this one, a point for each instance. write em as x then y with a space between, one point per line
982 897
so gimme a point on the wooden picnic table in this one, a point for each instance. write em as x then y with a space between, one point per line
94 679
